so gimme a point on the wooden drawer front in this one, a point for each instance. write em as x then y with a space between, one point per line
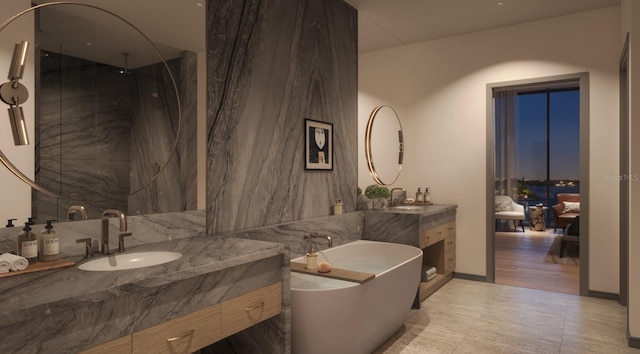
438 233
450 229
449 254
247 310
428 238
184 334
117 346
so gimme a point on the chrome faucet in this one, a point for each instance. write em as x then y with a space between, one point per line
71 213
403 196
105 227
317 235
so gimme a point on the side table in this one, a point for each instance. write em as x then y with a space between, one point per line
537 218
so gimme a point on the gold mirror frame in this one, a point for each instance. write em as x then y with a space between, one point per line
7 163
368 142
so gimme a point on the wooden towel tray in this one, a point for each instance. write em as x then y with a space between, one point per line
335 273
40 266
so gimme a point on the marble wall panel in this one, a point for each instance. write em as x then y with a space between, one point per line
188 136
114 126
270 65
153 133
83 134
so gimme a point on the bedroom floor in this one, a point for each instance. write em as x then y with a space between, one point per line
475 317
519 258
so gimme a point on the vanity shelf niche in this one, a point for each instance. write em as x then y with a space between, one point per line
438 246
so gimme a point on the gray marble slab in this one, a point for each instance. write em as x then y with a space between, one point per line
270 65
69 310
404 226
145 229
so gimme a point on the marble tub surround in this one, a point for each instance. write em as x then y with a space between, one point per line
145 228
404 226
73 310
342 229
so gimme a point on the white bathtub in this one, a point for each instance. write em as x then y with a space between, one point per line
336 316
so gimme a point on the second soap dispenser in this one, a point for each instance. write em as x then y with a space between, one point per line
48 246
28 244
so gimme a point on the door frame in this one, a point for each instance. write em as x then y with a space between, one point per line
624 174
582 79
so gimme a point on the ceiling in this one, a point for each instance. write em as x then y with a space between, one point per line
85 32
385 23
179 24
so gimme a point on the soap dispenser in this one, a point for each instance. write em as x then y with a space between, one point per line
28 244
419 196
48 245
427 196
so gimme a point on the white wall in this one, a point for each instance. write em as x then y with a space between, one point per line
15 195
631 24
440 86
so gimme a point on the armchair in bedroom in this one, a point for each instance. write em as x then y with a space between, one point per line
507 209
566 209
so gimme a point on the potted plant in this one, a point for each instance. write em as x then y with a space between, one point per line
378 196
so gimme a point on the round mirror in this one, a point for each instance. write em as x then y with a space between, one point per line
108 112
384 145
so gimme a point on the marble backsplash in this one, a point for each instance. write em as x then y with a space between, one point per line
149 228
270 65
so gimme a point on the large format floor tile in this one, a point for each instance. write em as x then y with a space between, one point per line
475 317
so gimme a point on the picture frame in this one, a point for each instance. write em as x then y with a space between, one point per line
318 145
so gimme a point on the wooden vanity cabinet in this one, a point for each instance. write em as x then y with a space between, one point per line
189 333
116 346
439 250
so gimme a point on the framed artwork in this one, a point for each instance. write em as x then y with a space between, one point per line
318 145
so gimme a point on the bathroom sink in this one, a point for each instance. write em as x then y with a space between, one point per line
408 207
122 261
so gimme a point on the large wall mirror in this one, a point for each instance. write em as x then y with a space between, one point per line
384 145
107 112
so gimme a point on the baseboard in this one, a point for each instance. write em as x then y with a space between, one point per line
603 295
473 277
633 341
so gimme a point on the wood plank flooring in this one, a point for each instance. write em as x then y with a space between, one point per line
519 260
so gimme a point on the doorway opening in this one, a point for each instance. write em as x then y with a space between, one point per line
537 157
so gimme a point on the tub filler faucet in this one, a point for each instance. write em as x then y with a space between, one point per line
318 235
105 229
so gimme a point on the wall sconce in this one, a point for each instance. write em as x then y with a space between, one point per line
14 94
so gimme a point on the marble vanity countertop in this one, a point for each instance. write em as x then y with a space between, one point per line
33 295
422 210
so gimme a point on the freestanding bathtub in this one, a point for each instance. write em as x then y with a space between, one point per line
336 316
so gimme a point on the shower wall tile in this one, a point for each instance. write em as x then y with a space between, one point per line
271 64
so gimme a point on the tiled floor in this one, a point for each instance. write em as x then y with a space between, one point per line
475 317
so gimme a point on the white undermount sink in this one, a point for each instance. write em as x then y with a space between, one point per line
408 207
122 261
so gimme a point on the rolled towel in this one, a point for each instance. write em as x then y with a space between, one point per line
17 262
5 265
431 277
431 271
428 271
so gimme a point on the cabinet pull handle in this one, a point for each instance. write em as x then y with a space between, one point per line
188 334
255 317
254 307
